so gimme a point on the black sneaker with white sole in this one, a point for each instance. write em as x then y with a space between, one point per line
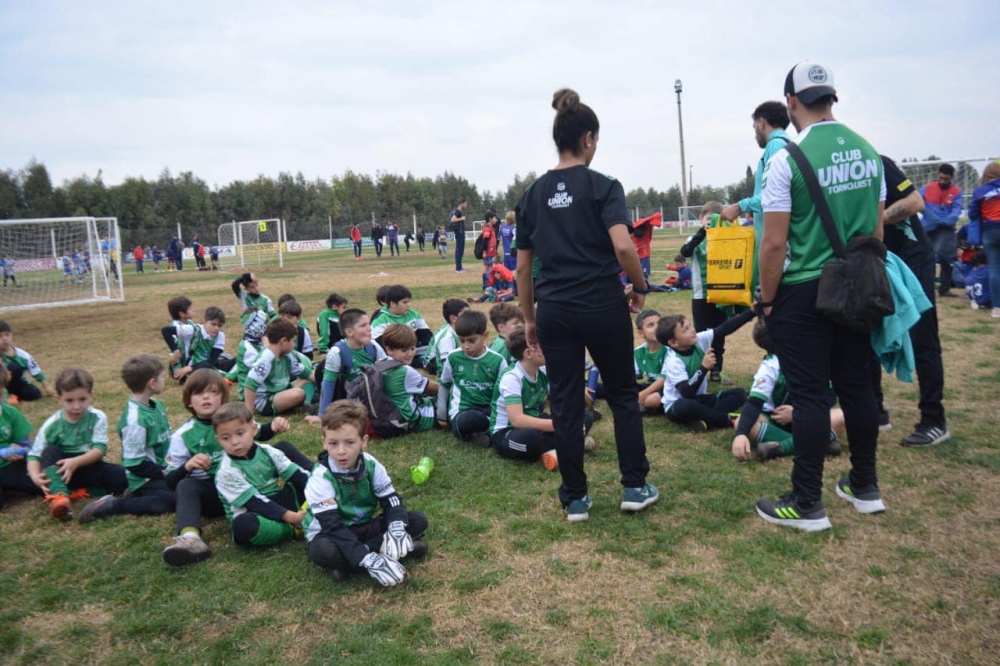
867 500
788 512
924 436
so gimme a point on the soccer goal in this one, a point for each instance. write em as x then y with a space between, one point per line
252 243
59 261
968 172
687 217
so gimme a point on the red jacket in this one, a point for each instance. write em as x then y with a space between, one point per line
491 240
138 254
355 234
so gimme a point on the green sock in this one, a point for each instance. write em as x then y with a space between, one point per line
772 433
271 532
310 389
56 485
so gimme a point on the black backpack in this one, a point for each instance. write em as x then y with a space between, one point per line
479 249
384 418
346 363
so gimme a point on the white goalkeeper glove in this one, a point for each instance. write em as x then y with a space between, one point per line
397 543
385 571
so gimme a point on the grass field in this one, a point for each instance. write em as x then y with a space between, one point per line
698 578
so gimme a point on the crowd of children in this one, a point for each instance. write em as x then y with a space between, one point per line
490 393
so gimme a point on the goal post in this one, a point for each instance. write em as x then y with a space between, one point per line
252 243
687 217
50 262
968 172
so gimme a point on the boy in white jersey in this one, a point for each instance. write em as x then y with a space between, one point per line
505 317
689 360
444 341
145 433
344 492
346 358
409 390
766 419
69 448
279 379
470 374
397 310
648 360
519 426
261 509
179 336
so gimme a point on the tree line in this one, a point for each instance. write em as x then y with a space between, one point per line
149 211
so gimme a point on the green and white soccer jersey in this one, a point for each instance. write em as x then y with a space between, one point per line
648 365
471 380
405 387
270 374
192 438
384 319
354 497
203 344
260 301
443 342
679 368
90 432
240 479
185 336
500 346
145 433
850 174
516 387
246 353
769 384
26 362
360 358
323 328
13 428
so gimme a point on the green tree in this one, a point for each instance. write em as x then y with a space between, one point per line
36 191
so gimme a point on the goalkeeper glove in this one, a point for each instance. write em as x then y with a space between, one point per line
396 543
385 571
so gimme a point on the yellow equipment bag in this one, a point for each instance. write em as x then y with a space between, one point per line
730 257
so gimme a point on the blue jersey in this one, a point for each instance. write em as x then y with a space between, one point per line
507 234
977 286
8 266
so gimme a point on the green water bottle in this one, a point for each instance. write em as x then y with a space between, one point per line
422 470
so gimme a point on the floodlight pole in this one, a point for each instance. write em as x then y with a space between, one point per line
679 88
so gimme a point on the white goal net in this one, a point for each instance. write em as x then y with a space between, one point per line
59 261
252 243
687 217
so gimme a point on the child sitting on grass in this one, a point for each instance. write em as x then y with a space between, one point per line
690 358
292 311
201 345
505 317
444 341
179 336
977 283
69 448
397 310
328 323
648 359
145 434
247 290
405 387
20 363
766 419
470 375
261 489
520 429
14 433
498 286
346 358
345 490
279 379
193 461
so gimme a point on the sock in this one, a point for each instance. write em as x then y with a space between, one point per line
193 531
56 485
310 389
271 532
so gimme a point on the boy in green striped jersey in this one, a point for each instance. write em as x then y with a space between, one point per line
145 433
397 310
345 490
247 289
470 374
409 390
444 340
69 448
261 489
279 379
19 364
519 426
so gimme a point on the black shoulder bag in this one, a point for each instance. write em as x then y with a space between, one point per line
853 288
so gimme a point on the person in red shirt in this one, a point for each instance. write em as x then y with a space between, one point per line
490 234
138 255
356 239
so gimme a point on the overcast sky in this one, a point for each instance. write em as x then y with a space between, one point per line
230 90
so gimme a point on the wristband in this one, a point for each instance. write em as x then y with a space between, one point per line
636 290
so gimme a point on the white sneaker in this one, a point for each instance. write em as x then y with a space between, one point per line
996 313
